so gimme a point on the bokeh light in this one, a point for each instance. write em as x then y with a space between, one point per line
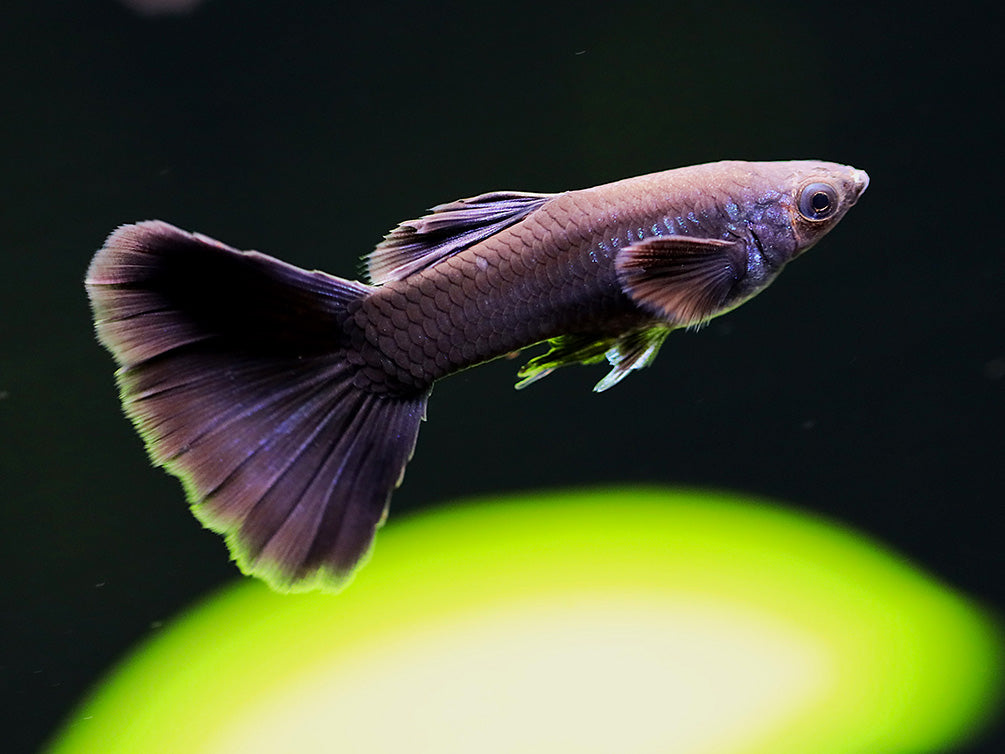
604 621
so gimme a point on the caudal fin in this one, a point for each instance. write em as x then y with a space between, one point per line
234 369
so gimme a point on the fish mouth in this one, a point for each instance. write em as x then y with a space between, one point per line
861 183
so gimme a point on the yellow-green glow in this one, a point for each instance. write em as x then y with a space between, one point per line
619 621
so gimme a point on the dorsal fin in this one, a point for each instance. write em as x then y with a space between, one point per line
446 230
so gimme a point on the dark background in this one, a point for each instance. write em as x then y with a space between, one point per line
868 384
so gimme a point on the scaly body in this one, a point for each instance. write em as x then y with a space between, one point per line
289 401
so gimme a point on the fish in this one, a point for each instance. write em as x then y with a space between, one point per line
288 401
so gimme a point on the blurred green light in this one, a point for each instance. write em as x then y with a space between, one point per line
616 621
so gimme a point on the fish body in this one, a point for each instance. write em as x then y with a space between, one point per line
289 401
555 272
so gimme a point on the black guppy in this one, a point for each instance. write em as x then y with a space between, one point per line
288 402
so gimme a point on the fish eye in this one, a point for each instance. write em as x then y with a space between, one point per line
818 201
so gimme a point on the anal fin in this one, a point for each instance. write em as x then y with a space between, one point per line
564 350
635 350
626 353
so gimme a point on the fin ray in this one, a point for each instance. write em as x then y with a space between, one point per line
682 279
625 353
448 229
234 368
562 351
635 350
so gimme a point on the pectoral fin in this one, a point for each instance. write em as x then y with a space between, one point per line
685 280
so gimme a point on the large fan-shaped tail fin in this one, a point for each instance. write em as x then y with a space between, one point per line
236 369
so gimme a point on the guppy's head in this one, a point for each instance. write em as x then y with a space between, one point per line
822 194
782 209
740 224
772 212
801 201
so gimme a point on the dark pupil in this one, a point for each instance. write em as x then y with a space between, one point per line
820 202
